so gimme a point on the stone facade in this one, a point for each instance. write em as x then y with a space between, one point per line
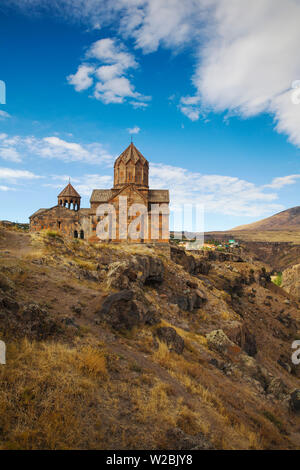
146 211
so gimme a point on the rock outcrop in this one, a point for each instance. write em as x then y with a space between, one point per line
138 269
295 401
169 336
127 309
291 281
240 335
192 264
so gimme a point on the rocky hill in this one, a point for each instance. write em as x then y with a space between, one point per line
122 347
285 220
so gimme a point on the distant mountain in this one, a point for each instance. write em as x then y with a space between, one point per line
285 220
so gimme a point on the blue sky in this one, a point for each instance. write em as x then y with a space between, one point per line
211 102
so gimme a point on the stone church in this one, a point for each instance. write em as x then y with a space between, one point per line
131 184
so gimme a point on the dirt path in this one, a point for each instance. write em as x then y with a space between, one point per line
16 243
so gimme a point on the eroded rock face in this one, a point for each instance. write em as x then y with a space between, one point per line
193 265
240 335
169 336
189 300
138 269
291 281
250 368
219 341
127 309
295 400
277 388
222 256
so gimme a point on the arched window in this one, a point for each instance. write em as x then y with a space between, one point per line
75 234
81 234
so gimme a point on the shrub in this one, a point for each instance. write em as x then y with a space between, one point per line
278 279
53 234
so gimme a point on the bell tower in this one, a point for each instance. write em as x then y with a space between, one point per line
131 167
69 198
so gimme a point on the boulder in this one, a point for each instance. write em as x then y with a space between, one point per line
189 300
277 388
249 366
9 304
138 269
37 323
218 341
169 336
295 400
291 280
127 309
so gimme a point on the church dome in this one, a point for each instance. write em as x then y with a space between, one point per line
131 167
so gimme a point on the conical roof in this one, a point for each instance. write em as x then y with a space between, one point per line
131 153
69 191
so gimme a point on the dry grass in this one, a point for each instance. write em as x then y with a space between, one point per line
59 396
233 431
129 248
45 392
88 265
268 235
155 404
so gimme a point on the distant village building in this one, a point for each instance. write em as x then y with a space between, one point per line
131 184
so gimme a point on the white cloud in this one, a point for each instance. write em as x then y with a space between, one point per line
170 23
134 130
8 148
281 181
84 184
10 174
108 72
4 115
82 78
218 193
191 112
108 51
11 148
247 62
245 58
10 154
111 84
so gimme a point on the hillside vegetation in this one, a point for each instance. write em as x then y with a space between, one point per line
122 347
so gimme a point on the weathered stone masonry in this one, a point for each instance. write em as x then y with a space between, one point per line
131 179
